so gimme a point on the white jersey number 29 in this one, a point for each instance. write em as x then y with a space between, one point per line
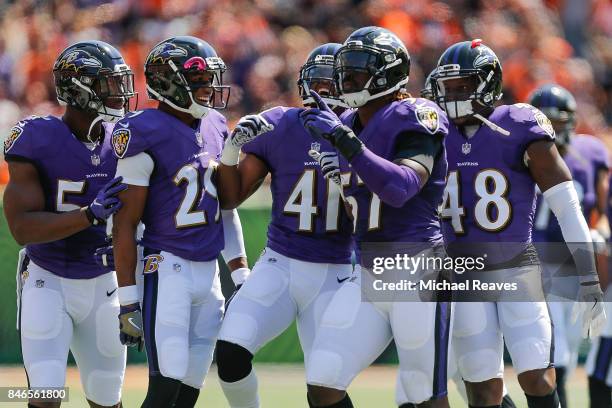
491 187
187 215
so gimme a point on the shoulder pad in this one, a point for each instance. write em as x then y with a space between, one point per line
130 133
26 129
276 114
528 114
420 115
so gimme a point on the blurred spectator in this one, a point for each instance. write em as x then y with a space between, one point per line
264 42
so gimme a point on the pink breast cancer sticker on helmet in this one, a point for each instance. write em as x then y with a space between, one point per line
197 62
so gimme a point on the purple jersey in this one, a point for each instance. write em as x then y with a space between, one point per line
596 153
417 220
182 214
309 222
490 194
71 175
585 156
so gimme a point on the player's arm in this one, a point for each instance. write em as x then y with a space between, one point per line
234 252
24 208
236 183
136 171
398 181
555 181
602 187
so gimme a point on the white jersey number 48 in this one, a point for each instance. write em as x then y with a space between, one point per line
491 187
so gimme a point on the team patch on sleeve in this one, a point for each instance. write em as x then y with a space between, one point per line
120 141
9 142
544 123
428 118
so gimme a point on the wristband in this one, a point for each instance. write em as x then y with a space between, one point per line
230 156
346 142
240 275
90 216
127 295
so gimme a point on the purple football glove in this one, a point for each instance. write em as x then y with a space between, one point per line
323 123
106 202
104 257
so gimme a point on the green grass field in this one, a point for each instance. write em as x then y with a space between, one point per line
283 386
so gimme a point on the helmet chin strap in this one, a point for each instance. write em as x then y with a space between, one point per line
358 99
195 109
460 109
491 125
98 118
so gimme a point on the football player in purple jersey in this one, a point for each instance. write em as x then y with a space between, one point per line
60 193
167 157
587 159
394 145
453 373
308 253
497 155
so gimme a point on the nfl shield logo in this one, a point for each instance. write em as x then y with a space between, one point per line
95 159
466 148
40 283
199 139
316 146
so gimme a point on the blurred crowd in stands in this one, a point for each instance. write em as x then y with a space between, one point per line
264 43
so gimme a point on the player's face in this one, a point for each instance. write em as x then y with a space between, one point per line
115 90
354 81
324 87
558 125
202 84
460 88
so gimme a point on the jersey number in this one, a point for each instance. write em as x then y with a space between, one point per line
491 187
187 215
302 203
68 187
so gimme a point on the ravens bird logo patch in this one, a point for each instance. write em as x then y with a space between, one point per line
120 141
428 118
16 131
544 123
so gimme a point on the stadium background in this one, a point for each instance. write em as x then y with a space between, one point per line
264 43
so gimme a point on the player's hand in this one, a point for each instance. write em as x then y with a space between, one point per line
106 202
322 122
590 308
248 128
104 257
330 165
130 325
239 276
